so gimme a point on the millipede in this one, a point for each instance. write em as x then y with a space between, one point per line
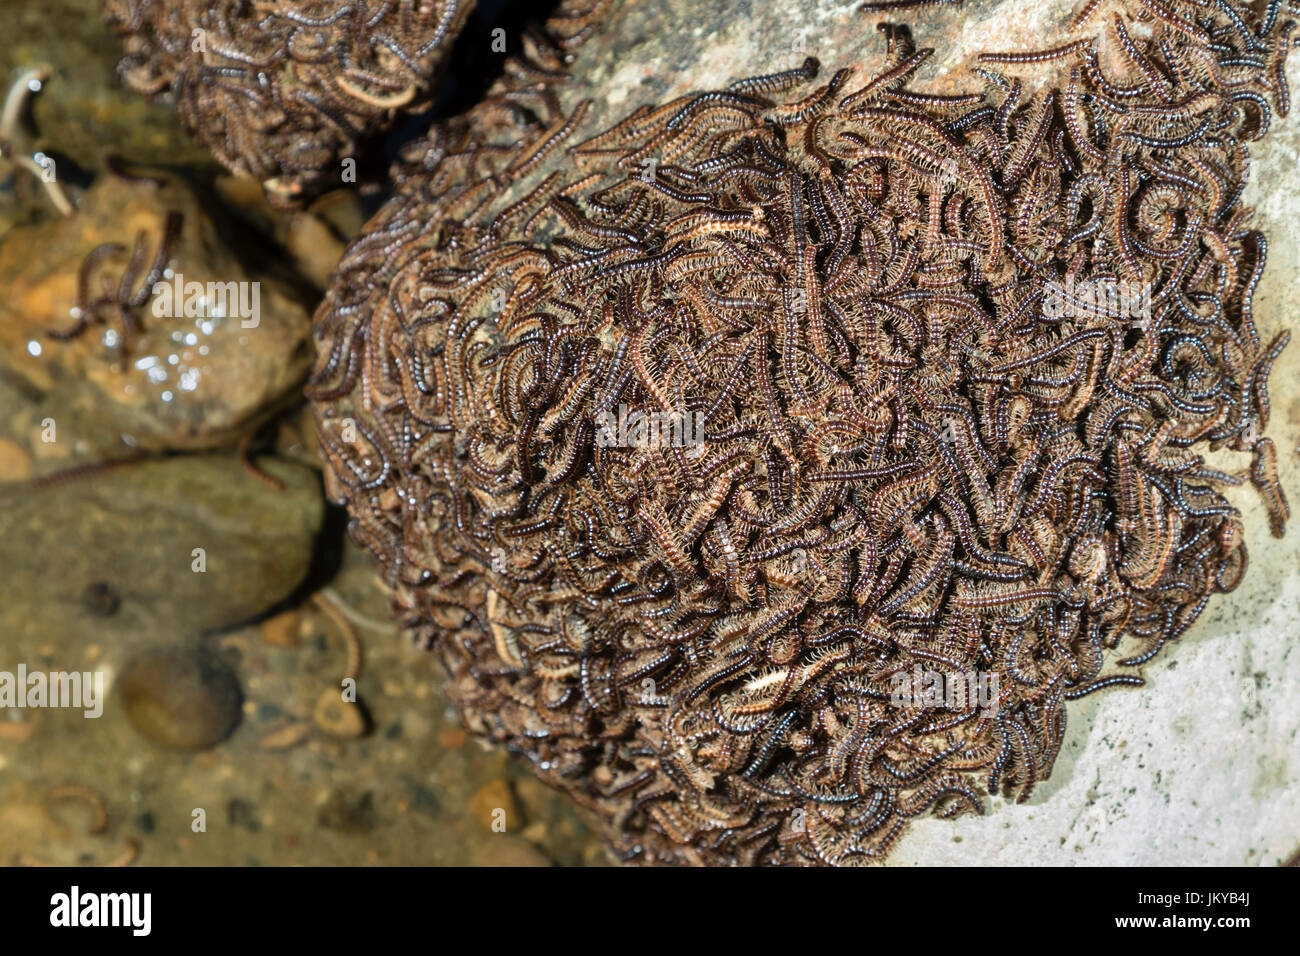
906 460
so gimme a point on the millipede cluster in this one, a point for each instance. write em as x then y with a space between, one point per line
909 460
281 90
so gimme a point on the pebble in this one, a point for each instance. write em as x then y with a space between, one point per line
347 811
314 248
15 463
338 717
16 730
180 698
493 796
286 737
453 738
282 629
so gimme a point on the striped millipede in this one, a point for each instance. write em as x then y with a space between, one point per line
350 75
904 459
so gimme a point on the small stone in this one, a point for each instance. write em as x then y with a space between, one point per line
240 813
282 629
16 730
180 698
314 248
268 711
15 463
347 812
339 717
100 600
492 797
423 800
452 738
536 833
286 737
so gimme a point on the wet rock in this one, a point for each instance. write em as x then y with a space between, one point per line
82 108
180 698
18 731
296 438
184 544
422 799
452 738
338 717
185 371
282 629
494 805
287 737
314 247
100 600
15 463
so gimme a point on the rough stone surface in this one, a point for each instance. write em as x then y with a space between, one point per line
130 532
185 381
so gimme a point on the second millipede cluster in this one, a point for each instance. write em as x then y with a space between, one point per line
284 90
908 457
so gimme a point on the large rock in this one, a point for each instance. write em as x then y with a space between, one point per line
115 550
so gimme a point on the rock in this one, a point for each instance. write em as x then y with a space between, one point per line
174 546
180 698
282 629
339 717
82 108
643 55
296 438
15 463
452 738
287 737
100 600
241 813
314 247
491 798
179 381
18 731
